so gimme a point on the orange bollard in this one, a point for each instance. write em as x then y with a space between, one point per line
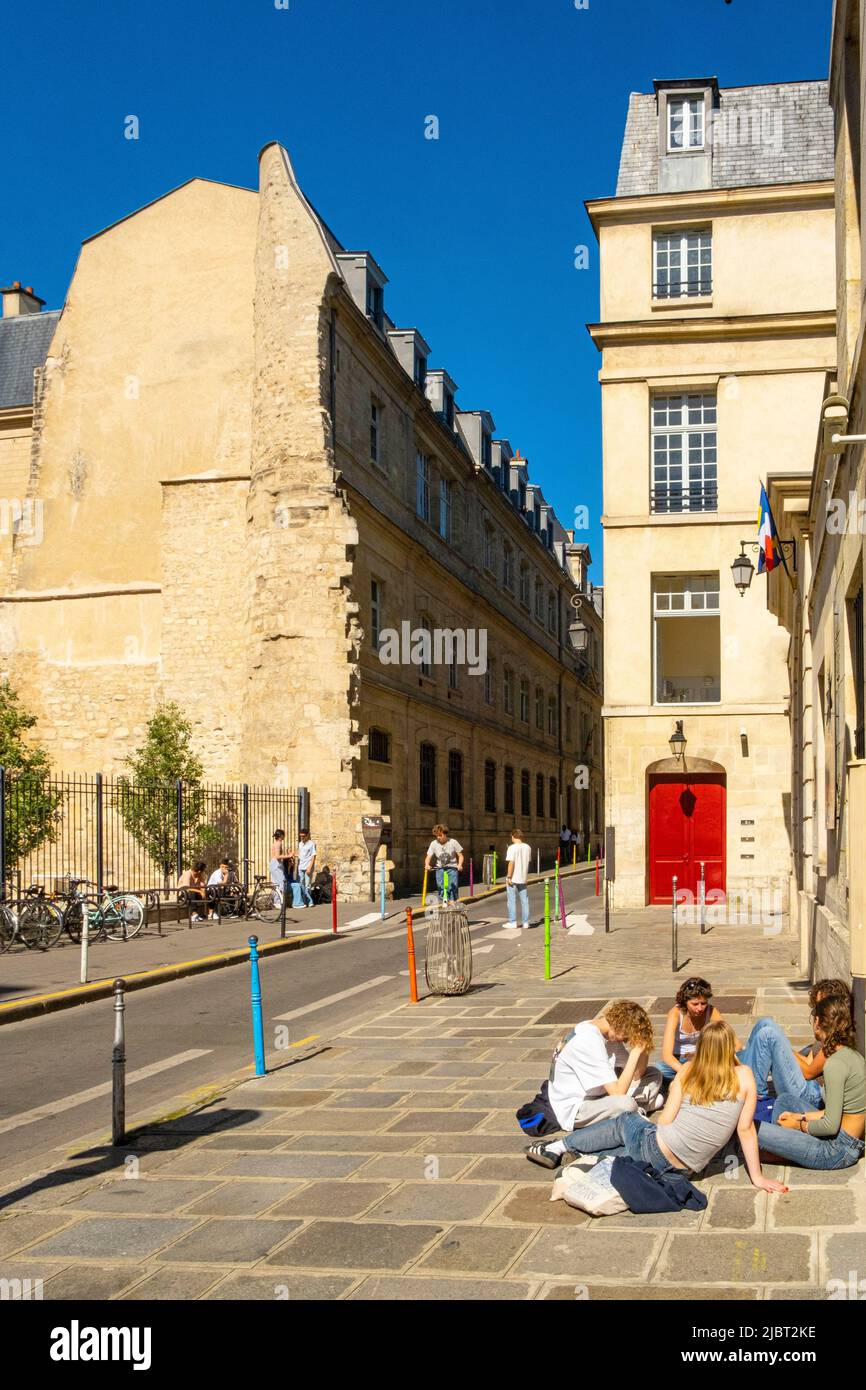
574 856
596 878
413 983
334 901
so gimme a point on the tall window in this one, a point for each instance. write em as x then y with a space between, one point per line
552 713
552 798
687 640
685 477
539 707
686 123
539 794
452 669
375 612
508 567
486 451
375 303
551 611
490 684
682 264
489 785
375 422
524 700
524 792
445 509
508 691
539 600
524 583
420 370
426 669
427 791
509 791
422 486
379 746
455 780
489 548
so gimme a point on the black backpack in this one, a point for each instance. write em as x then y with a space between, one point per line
537 1116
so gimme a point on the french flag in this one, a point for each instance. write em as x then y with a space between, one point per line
769 551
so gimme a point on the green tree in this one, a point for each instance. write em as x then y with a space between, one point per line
32 804
147 799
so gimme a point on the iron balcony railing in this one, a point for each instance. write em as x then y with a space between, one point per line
685 497
683 289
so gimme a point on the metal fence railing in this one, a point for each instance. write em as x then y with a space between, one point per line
138 835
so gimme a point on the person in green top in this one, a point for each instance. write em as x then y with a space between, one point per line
832 1137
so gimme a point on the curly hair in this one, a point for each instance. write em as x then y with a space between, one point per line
835 1024
693 989
632 1021
822 989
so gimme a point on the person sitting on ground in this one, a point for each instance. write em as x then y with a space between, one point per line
692 1011
831 1137
218 884
193 882
585 1083
710 1098
769 1053
518 857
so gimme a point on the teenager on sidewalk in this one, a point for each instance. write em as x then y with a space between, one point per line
306 864
584 1083
518 858
445 856
831 1137
710 1099
769 1053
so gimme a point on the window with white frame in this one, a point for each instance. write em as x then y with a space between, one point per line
422 486
682 264
445 509
686 639
684 457
685 123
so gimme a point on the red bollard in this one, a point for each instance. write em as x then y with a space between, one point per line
596 878
334 902
413 983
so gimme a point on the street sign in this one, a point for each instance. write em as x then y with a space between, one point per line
371 829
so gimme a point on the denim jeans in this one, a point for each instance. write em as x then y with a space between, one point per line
624 1136
804 1149
513 892
452 883
768 1052
306 895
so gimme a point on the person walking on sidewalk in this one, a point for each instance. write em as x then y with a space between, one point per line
446 857
306 865
518 858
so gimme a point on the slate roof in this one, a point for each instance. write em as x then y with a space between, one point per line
24 343
782 133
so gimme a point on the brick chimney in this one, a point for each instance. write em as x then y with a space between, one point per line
19 300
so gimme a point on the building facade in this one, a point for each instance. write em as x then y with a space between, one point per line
257 500
824 513
716 330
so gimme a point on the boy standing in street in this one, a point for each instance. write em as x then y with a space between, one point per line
306 865
518 858
446 856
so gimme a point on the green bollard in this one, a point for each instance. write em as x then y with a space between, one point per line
547 929
494 868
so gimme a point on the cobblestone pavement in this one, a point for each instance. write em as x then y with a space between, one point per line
390 1165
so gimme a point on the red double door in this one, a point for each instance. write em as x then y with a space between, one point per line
686 826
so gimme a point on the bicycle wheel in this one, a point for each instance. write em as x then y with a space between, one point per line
267 903
39 925
122 916
73 917
7 927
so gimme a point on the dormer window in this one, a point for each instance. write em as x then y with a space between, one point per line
375 304
365 281
685 123
420 371
486 454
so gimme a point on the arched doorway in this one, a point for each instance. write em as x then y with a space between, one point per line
686 826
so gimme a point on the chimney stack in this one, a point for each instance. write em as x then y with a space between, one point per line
18 300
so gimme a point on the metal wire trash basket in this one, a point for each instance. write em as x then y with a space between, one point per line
448 956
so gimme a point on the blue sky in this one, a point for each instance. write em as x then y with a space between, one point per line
476 230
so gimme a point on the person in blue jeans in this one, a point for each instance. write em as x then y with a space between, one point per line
693 1009
446 856
306 863
769 1053
832 1137
518 857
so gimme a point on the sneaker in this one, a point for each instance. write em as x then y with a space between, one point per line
538 1153
525 926
509 926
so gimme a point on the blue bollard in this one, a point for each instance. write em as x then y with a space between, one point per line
382 879
256 997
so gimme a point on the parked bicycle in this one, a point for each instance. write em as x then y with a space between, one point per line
31 919
115 916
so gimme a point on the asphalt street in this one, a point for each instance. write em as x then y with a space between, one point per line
195 1032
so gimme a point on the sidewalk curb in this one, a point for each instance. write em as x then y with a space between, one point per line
35 1006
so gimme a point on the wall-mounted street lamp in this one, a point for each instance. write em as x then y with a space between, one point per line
578 632
678 740
742 569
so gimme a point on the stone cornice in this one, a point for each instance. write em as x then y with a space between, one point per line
815 323
91 591
654 206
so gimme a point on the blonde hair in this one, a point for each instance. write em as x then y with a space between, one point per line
632 1021
712 1073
